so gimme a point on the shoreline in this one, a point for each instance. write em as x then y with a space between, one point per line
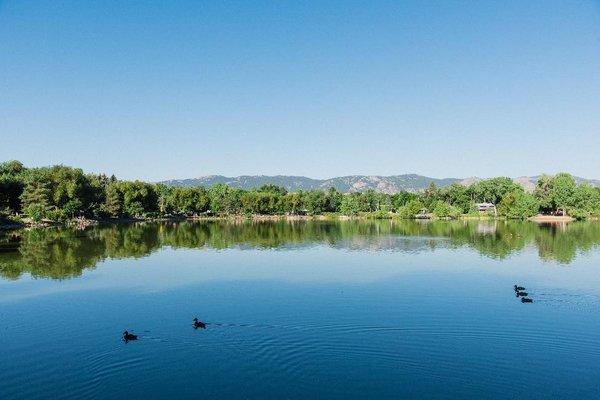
84 223
551 219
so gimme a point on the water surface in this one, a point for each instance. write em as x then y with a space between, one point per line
355 309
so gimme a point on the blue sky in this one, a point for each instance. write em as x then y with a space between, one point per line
183 89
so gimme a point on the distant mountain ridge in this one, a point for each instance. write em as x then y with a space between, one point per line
347 184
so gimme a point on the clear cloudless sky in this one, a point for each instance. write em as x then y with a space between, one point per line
177 89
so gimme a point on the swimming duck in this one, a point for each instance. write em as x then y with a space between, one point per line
526 300
199 324
518 288
522 294
129 336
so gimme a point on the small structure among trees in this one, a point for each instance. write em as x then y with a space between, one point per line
485 207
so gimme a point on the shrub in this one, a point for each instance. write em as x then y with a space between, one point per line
410 210
444 210
380 214
518 205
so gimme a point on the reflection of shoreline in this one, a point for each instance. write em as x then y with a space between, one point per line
61 253
551 219
487 228
81 223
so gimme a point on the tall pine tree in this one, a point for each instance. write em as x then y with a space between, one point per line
35 199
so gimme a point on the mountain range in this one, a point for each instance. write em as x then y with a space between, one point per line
348 184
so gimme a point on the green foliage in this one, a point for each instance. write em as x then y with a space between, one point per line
333 200
442 209
543 192
113 204
35 199
379 204
369 201
585 202
64 253
261 202
60 193
459 196
379 214
11 186
315 202
11 168
563 191
72 207
37 212
493 190
400 199
518 205
273 189
139 199
411 209
351 204
224 199
293 203
560 192
182 200
579 213
430 196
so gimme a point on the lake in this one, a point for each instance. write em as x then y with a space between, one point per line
305 309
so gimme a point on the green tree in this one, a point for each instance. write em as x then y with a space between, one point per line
315 202
277 190
543 192
73 208
11 186
265 203
139 199
402 198
493 190
12 168
224 199
333 200
457 195
430 196
350 204
411 209
200 199
442 209
563 192
293 203
113 205
93 194
67 184
518 205
36 198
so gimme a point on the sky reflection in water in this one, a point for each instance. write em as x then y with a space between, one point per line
305 310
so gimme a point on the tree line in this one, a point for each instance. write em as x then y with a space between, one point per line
60 193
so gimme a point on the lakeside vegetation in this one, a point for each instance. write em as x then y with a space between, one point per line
60 193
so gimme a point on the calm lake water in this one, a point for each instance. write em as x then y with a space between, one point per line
348 310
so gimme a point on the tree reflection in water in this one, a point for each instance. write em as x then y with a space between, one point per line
64 253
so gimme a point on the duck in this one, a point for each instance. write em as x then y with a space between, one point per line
522 294
129 336
519 288
526 300
199 324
